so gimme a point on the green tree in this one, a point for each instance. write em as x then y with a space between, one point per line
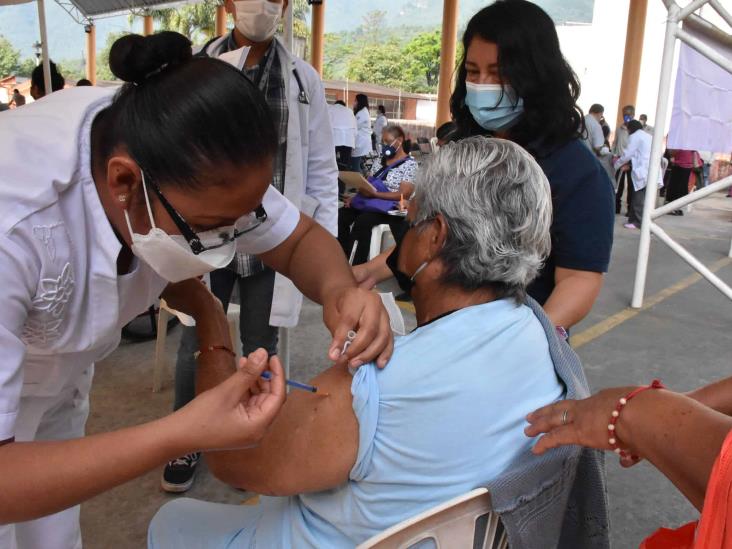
379 64
9 58
25 67
72 70
103 71
195 21
422 56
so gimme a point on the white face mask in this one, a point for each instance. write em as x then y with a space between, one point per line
170 255
257 19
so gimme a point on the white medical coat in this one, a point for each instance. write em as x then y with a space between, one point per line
638 152
363 133
311 173
63 303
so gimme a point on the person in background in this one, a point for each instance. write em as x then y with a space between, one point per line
593 137
605 156
343 124
380 123
84 82
682 179
686 436
513 82
18 99
444 133
646 126
623 176
396 170
638 154
38 86
304 171
363 131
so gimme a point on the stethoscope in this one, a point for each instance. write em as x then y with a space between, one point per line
302 97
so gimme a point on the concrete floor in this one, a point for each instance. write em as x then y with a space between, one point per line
684 339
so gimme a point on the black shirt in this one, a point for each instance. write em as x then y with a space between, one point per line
584 214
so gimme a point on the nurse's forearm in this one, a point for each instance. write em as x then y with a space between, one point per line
313 260
573 296
40 478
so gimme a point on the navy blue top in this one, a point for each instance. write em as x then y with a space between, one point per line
584 214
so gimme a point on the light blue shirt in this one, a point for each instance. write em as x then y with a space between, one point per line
444 417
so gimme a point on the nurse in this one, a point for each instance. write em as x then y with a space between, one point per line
117 200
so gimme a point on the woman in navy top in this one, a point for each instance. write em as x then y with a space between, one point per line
513 82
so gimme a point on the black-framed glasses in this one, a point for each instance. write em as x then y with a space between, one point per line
243 226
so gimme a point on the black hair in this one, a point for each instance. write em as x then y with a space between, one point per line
381 109
15 90
83 82
634 126
605 130
530 60
57 80
644 116
340 102
597 108
362 100
179 116
444 131
629 108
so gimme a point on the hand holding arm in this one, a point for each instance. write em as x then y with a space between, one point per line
680 436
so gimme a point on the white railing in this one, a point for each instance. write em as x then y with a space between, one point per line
677 16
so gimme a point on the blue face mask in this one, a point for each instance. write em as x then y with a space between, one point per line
627 118
389 151
493 107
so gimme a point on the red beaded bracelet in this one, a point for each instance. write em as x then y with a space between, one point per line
612 440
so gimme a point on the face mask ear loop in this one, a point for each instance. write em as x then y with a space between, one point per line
147 201
419 270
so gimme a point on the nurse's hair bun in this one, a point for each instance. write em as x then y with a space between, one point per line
134 58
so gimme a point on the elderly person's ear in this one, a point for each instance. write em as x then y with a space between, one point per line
439 235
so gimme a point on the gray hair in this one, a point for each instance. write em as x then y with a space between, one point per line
496 201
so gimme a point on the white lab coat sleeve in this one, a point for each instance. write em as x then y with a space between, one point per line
282 218
630 150
18 276
321 180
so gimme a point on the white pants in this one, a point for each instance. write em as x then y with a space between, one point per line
51 418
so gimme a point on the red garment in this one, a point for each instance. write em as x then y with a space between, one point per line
686 159
714 529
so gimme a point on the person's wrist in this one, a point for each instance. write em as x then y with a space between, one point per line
627 426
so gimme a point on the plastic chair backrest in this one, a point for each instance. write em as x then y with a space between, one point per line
457 523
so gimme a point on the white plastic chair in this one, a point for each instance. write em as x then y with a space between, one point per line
377 236
452 525
232 315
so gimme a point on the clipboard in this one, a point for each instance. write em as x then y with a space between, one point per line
354 180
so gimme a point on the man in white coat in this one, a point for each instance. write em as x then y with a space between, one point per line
638 154
304 171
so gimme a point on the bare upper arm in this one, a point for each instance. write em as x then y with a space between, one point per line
311 446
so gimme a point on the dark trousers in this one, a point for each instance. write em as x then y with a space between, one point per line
678 183
356 164
343 157
635 212
255 296
355 226
624 179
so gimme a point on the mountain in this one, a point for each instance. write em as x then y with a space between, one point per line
19 23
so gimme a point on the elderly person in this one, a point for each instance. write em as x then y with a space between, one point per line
447 414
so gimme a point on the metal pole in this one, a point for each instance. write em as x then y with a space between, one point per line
448 49
723 13
710 53
220 25
147 24
633 55
287 28
664 90
690 8
318 29
691 260
44 47
692 197
91 53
